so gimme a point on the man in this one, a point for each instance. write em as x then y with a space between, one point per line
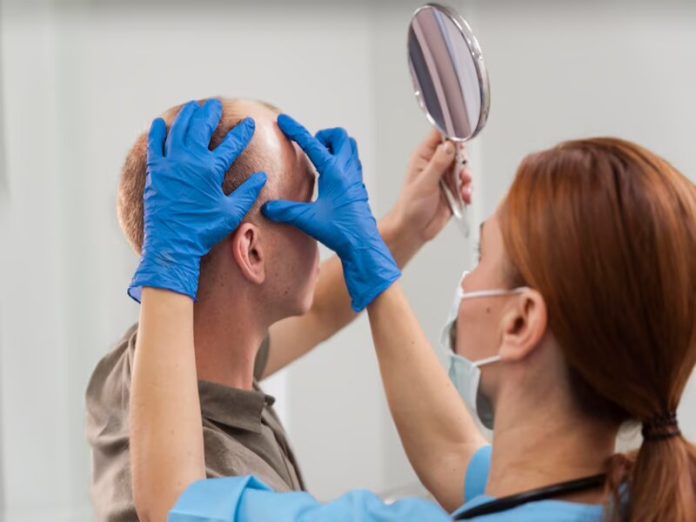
259 287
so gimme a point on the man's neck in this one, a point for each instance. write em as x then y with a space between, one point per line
546 444
227 337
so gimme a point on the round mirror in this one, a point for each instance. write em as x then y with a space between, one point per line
448 72
451 84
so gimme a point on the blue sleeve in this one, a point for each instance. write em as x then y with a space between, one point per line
213 500
242 499
477 473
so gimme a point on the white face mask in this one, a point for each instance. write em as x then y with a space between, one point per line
466 374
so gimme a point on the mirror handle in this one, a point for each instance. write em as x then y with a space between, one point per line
458 207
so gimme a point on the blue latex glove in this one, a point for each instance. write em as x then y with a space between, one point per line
186 211
341 217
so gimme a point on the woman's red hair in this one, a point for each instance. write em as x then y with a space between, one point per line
606 232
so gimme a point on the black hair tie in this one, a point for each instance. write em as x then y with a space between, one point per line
661 427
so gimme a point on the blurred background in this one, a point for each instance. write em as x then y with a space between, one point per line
80 80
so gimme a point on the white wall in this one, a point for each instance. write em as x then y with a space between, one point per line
81 80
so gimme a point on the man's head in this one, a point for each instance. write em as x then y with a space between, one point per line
274 264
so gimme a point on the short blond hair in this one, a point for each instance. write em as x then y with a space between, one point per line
130 207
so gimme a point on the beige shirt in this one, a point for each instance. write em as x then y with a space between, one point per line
242 434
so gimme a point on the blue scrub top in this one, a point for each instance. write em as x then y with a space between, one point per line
246 499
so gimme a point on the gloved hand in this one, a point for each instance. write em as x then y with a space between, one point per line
341 217
186 211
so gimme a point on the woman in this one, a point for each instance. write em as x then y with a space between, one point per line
578 318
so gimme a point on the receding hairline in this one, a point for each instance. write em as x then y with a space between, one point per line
133 173
231 107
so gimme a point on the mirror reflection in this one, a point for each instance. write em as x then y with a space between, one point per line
448 72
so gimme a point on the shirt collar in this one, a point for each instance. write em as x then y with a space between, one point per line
233 407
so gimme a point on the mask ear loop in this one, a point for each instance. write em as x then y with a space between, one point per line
485 293
487 360
446 338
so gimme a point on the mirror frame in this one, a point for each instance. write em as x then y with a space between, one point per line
479 65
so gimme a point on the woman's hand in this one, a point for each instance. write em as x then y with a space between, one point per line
186 211
341 217
422 210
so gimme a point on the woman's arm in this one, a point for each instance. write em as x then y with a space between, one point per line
439 435
186 213
436 430
165 417
420 214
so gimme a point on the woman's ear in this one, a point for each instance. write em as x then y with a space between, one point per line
248 253
524 325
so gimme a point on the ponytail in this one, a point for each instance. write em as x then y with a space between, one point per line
605 230
660 479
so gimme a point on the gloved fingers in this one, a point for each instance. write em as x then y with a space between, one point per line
289 213
236 141
155 139
204 122
439 164
316 152
243 199
335 140
177 134
322 137
354 152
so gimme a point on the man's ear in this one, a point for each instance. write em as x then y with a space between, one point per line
524 325
248 253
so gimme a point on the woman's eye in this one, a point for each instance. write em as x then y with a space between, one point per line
478 251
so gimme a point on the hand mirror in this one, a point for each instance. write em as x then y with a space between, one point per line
451 85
